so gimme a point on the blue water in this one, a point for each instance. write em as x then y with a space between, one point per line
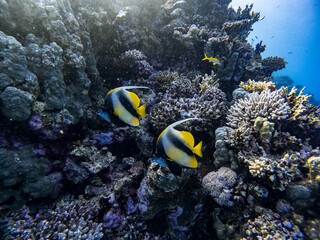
290 30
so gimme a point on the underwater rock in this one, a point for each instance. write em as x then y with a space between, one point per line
22 171
295 192
16 104
161 189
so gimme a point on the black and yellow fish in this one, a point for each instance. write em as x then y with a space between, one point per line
123 105
178 146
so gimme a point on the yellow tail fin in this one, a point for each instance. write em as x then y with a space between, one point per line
142 110
205 57
197 149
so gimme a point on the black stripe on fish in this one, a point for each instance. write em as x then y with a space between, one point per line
178 144
160 149
126 104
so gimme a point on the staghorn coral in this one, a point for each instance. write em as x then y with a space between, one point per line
69 219
267 104
272 226
253 86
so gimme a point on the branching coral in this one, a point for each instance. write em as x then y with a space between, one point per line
272 226
279 171
302 110
267 104
183 101
68 220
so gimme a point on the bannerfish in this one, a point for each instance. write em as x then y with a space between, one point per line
211 59
124 105
178 146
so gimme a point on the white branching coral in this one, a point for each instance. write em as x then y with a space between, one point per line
267 104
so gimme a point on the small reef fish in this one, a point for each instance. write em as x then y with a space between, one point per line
124 105
211 59
178 147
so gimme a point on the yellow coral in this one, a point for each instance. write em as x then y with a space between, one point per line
301 109
253 86
314 169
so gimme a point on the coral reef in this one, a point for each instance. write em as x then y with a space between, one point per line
271 226
66 173
67 220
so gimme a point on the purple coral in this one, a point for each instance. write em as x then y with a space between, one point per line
103 138
35 122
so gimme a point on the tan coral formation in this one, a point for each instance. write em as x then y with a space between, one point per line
272 226
314 169
279 171
264 127
253 86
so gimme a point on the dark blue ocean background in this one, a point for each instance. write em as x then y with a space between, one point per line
290 30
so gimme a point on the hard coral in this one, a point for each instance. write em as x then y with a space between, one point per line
272 226
74 219
218 185
267 104
253 86
279 171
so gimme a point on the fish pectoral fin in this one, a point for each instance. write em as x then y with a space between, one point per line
214 63
104 115
197 149
188 138
135 99
116 112
193 163
134 122
142 110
